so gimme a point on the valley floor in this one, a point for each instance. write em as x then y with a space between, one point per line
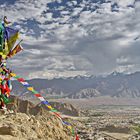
103 100
107 118
110 123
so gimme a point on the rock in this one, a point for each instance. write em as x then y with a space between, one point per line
21 125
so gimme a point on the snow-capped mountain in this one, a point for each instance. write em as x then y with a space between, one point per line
114 85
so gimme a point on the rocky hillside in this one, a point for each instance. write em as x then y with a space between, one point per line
65 108
21 126
27 107
33 122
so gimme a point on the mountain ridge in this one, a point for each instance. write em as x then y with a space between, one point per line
114 85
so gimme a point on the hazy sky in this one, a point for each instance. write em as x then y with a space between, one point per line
75 37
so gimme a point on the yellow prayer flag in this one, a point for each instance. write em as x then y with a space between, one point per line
30 88
13 74
49 107
70 127
12 41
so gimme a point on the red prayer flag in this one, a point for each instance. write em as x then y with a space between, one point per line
17 49
77 137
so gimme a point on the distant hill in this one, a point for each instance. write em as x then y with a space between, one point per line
114 85
85 93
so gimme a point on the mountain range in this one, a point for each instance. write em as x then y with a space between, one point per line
114 85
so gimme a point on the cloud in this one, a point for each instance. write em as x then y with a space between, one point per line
68 38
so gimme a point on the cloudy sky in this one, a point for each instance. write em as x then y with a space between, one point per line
75 37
